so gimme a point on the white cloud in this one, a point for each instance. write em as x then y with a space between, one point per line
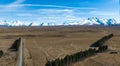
117 1
24 14
103 13
18 1
50 15
57 6
17 4
62 15
12 6
58 14
47 13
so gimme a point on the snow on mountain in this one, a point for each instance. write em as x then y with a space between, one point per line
70 23
33 24
3 23
42 24
111 21
98 21
88 21
16 23
93 21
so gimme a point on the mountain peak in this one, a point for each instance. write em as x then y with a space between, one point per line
88 21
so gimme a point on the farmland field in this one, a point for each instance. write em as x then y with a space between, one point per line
8 59
41 44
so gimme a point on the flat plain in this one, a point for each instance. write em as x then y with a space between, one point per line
41 44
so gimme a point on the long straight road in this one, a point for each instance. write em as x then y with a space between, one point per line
20 62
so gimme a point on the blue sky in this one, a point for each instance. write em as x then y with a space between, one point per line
57 10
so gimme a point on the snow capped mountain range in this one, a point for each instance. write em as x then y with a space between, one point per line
88 21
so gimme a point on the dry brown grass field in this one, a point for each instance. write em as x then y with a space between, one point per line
48 43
